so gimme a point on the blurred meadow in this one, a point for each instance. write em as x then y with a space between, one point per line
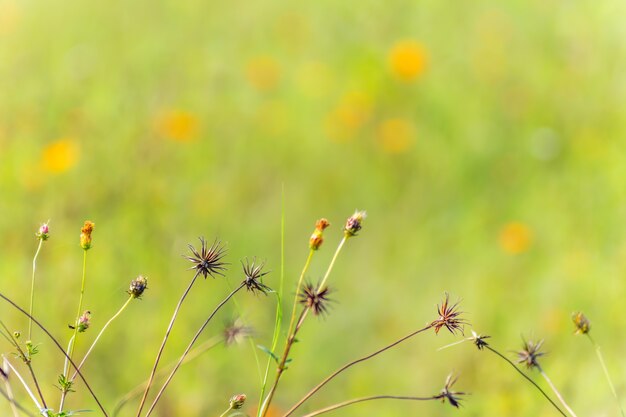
484 139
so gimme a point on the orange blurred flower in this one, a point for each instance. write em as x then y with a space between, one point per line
515 238
59 156
352 112
407 60
395 135
263 72
178 125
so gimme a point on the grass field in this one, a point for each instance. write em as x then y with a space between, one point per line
484 139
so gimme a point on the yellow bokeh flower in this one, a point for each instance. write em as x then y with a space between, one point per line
263 72
178 125
407 60
395 135
59 156
515 238
352 112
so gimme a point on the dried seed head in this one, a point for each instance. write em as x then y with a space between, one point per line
446 393
235 332
44 232
353 224
85 235
581 322
315 299
237 401
208 260
317 239
138 286
448 317
530 354
253 275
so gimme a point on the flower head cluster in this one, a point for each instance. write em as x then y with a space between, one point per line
530 354
84 321
353 224
315 298
449 317
253 274
85 235
208 260
138 286
317 239
581 322
237 401
479 340
44 232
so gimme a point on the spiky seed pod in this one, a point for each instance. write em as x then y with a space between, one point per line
315 299
253 274
530 354
448 317
208 260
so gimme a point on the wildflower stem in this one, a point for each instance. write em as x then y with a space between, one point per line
360 400
25 358
349 365
279 309
9 394
195 338
206 346
283 361
527 378
225 412
72 344
298 287
58 345
332 262
556 392
167 334
32 290
30 393
606 373
80 365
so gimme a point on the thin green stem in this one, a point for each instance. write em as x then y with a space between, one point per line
204 347
225 412
25 358
606 373
167 334
332 262
360 400
28 390
307 263
58 345
349 365
80 365
32 290
556 392
527 378
65 372
193 341
279 308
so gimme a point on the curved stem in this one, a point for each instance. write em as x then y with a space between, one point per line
606 373
195 338
556 392
58 345
209 344
527 378
167 334
32 290
360 400
80 365
349 365
30 393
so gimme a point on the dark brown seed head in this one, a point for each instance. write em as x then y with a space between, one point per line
253 274
530 354
208 260
453 397
449 317
315 299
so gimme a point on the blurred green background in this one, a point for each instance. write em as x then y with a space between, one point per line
484 139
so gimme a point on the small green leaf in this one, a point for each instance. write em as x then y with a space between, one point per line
269 352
